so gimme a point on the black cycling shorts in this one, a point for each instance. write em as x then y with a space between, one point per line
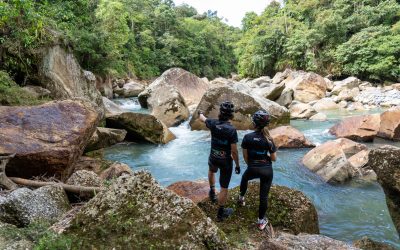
225 167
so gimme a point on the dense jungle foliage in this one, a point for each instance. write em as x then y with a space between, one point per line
143 38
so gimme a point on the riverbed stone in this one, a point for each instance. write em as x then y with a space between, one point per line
60 72
358 128
47 139
115 170
348 83
301 111
325 104
245 106
197 191
270 91
23 206
289 137
111 108
319 117
367 244
130 89
141 215
390 124
105 137
288 210
286 97
307 87
330 160
84 178
385 161
12 238
141 127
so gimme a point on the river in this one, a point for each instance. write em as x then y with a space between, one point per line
346 212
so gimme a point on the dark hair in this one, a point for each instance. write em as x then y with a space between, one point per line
225 116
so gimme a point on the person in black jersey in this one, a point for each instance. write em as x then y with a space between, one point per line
223 150
258 151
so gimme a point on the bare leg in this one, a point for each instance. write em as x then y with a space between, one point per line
223 197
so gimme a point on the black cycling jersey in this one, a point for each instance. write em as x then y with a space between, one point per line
258 149
223 134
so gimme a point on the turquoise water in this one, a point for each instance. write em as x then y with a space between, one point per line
346 212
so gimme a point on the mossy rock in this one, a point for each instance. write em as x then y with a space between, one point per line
135 212
13 95
288 209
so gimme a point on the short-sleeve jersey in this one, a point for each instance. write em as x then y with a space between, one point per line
258 149
223 134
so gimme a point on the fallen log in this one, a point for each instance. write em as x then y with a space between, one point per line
80 190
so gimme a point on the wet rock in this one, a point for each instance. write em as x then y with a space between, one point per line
368 244
130 89
47 139
105 137
141 127
288 209
330 160
24 206
286 97
84 178
385 161
390 124
307 87
111 108
301 111
289 137
116 170
245 106
165 102
358 128
285 241
195 190
319 117
37 91
60 73
141 215
325 104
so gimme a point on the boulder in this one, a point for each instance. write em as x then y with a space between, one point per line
385 161
116 170
37 91
271 91
368 244
262 80
289 137
288 210
396 86
348 94
356 106
61 73
195 190
307 87
12 238
325 104
285 241
330 160
130 89
329 84
23 206
359 163
348 83
141 127
358 128
286 97
104 85
47 139
281 76
84 178
165 102
390 124
105 137
245 106
142 215
319 117
301 111
111 108
95 165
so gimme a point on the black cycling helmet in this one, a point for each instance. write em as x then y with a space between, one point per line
226 108
261 119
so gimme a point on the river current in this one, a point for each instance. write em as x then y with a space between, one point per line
346 212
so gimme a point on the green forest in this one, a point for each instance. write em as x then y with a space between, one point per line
143 38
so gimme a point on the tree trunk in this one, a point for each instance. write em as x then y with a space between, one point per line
4 180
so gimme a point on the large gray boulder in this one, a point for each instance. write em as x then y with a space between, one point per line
47 139
130 89
142 215
307 87
105 137
385 161
348 83
24 206
141 127
331 160
245 106
61 73
111 108
270 91
301 111
358 128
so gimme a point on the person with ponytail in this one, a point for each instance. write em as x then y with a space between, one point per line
258 151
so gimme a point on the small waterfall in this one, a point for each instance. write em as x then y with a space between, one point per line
130 104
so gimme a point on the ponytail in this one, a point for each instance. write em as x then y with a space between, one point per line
267 135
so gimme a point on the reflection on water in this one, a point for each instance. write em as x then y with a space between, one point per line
346 212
